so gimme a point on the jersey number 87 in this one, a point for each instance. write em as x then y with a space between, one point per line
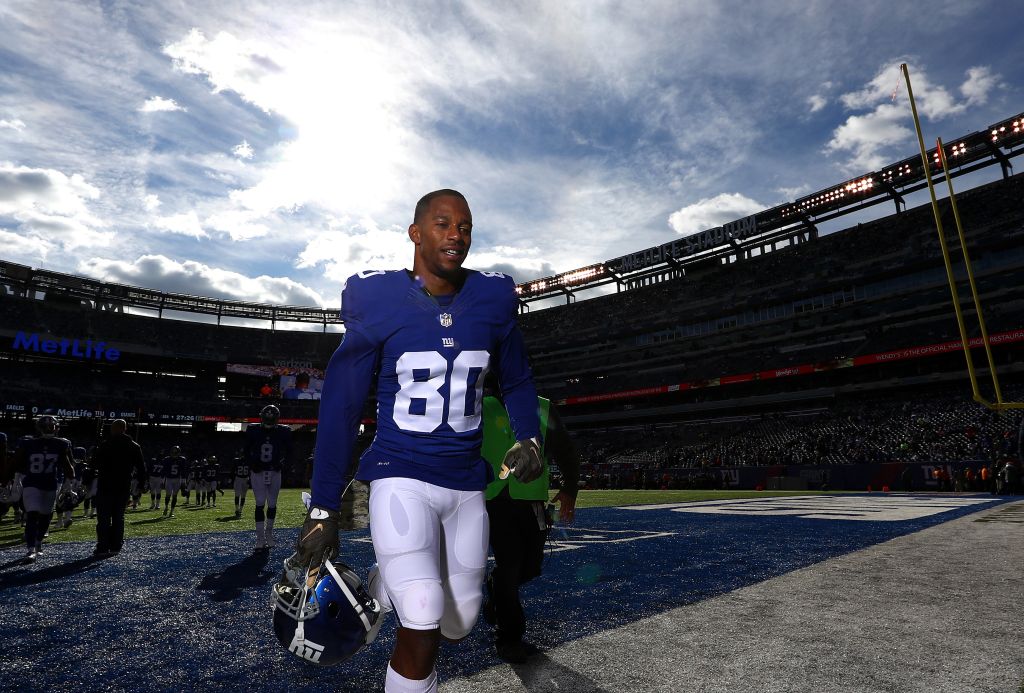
461 415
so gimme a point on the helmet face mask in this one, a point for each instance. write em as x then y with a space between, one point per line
67 500
270 416
327 617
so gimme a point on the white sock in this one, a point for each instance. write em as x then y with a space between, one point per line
396 683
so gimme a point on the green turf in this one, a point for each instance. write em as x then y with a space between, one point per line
290 513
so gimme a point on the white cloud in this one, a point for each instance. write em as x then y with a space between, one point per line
817 102
794 192
185 223
350 247
241 225
191 277
13 124
155 104
871 138
151 202
713 211
979 84
48 205
243 150
22 187
25 248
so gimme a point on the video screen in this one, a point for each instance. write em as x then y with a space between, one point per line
273 382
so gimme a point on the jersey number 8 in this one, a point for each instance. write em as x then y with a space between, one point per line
460 414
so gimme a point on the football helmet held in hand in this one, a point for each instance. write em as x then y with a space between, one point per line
327 617
67 500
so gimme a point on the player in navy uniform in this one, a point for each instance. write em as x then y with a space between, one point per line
89 486
241 483
175 468
157 479
210 475
431 335
267 447
40 463
73 483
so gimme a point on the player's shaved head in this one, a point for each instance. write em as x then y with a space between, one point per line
424 204
118 426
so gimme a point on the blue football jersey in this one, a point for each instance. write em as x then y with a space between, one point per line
174 466
431 355
42 462
156 467
267 449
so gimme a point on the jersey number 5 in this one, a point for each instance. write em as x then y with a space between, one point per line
461 413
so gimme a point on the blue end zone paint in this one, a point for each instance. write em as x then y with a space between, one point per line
175 613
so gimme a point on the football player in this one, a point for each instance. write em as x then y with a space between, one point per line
89 487
431 335
40 461
241 483
267 448
156 481
210 474
191 483
175 467
74 483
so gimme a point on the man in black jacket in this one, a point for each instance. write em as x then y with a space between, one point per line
116 458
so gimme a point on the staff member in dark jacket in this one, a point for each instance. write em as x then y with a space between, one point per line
518 525
116 458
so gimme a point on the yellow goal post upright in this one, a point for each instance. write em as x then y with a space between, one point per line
999 404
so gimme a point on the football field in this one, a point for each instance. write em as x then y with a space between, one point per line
809 593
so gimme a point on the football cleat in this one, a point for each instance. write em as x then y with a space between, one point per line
323 616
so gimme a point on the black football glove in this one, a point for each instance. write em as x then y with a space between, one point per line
523 460
318 538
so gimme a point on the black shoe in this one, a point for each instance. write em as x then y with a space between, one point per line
512 652
102 553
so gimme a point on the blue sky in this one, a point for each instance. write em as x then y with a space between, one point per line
265 151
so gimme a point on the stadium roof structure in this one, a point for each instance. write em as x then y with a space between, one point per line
996 144
23 280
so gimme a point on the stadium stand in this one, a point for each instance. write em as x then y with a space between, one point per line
840 349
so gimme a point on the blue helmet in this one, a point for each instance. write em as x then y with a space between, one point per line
67 500
329 622
269 416
47 426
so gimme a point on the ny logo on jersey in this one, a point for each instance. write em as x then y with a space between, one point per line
446 319
448 341
307 649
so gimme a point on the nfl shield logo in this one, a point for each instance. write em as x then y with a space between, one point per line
446 319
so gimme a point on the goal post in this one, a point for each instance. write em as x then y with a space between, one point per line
998 404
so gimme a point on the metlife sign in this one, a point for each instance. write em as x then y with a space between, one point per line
82 349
